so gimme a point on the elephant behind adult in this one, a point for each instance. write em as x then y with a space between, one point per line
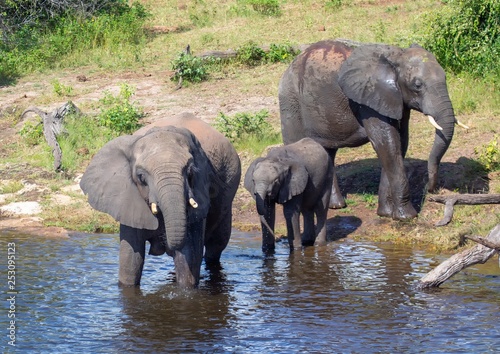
345 96
171 183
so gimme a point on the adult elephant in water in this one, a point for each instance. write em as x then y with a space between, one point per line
345 95
171 183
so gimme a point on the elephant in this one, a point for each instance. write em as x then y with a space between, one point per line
345 94
172 183
298 176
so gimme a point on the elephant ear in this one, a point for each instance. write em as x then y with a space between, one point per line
368 77
110 188
294 184
248 182
204 177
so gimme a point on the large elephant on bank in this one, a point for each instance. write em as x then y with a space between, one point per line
345 95
171 183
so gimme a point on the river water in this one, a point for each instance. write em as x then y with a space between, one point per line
348 296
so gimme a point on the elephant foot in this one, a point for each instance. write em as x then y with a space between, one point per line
407 212
337 201
404 213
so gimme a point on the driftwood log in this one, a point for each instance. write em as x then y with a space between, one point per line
449 202
480 253
53 125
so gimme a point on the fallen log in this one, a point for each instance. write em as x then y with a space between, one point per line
477 254
53 126
449 202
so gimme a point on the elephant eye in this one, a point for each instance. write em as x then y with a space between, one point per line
142 179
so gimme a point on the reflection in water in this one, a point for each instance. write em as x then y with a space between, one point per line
345 297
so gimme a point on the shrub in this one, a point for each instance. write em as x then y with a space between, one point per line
250 54
119 114
243 125
189 68
489 155
32 133
265 7
46 42
464 36
283 53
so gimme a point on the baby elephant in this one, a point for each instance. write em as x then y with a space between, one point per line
298 176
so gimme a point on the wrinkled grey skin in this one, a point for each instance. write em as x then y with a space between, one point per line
343 96
167 163
298 176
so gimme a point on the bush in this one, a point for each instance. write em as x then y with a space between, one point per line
489 155
265 7
189 68
243 125
119 114
32 133
465 36
36 46
250 54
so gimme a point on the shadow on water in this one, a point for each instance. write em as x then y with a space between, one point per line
465 176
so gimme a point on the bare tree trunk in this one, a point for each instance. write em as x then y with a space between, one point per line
53 126
462 260
469 199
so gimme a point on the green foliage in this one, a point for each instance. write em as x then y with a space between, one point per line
11 187
265 7
489 155
119 114
335 4
61 89
250 54
243 125
33 47
84 137
189 68
283 53
32 133
465 36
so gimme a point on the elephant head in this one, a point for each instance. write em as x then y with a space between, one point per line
276 180
391 80
133 176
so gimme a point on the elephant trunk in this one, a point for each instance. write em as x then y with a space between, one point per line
171 192
260 196
445 118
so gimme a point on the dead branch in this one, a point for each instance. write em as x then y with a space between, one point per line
449 202
53 126
462 260
485 242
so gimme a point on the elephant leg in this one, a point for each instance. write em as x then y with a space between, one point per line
385 202
188 259
309 234
337 201
131 258
385 139
291 212
216 239
321 216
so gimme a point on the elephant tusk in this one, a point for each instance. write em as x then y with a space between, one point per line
193 203
433 122
154 208
459 123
